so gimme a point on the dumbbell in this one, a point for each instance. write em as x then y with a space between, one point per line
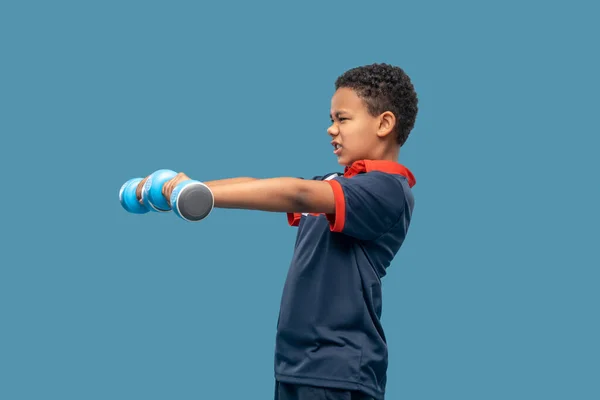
192 201
151 198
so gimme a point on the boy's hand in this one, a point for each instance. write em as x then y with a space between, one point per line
170 185
167 188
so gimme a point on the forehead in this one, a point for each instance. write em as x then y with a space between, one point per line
346 99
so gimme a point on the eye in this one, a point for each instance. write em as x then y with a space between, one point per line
340 119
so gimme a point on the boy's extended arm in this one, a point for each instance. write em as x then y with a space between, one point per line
272 194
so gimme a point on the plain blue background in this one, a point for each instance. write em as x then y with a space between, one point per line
494 294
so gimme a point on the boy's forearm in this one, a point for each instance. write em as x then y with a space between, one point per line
275 194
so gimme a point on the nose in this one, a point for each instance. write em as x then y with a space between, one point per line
333 130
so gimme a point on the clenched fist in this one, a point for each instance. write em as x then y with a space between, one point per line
166 189
171 184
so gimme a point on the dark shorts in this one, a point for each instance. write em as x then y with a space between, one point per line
287 391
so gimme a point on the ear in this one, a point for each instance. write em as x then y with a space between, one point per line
387 121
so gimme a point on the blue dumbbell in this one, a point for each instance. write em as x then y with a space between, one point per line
192 201
128 198
152 190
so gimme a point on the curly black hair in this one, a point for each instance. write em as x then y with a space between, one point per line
384 87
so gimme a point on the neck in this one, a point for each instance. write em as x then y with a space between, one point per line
388 152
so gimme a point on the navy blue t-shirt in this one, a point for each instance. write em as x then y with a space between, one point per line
329 331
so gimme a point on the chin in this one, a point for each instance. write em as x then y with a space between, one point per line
344 161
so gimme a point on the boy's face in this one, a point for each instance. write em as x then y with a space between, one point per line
355 132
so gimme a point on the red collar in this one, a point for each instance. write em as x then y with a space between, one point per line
390 167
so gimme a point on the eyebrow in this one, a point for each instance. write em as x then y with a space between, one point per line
337 113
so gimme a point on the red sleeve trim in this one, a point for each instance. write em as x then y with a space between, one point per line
294 218
337 220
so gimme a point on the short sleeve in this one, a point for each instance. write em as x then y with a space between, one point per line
367 205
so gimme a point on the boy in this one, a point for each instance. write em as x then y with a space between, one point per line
330 343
